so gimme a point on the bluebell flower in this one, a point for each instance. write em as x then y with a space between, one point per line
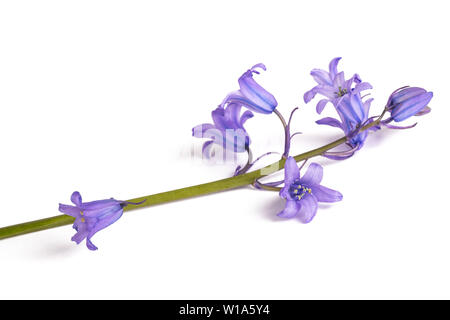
91 217
346 97
251 95
407 102
227 130
353 113
302 194
333 86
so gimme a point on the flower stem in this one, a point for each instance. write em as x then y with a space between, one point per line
249 163
179 194
287 135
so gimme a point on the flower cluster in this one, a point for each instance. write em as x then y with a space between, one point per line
302 193
333 86
353 109
345 95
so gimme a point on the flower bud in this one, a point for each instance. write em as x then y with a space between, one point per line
407 102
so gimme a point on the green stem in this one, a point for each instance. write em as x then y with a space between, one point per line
179 194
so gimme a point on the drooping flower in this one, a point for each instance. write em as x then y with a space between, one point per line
353 113
227 131
91 217
346 97
407 102
302 194
333 86
251 95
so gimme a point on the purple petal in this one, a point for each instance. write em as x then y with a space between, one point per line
351 109
218 116
99 207
321 105
236 140
101 224
232 115
326 91
313 175
358 140
291 171
324 194
69 210
290 210
339 80
240 98
210 132
423 111
76 199
206 149
79 236
330 122
349 83
309 95
229 97
321 77
366 107
361 87
258 65
308 208
245 116
199 131
411 106
333 67
90 245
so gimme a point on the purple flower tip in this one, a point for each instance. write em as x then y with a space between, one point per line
91 217
302 194
258 66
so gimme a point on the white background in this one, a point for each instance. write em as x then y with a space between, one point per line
101 96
